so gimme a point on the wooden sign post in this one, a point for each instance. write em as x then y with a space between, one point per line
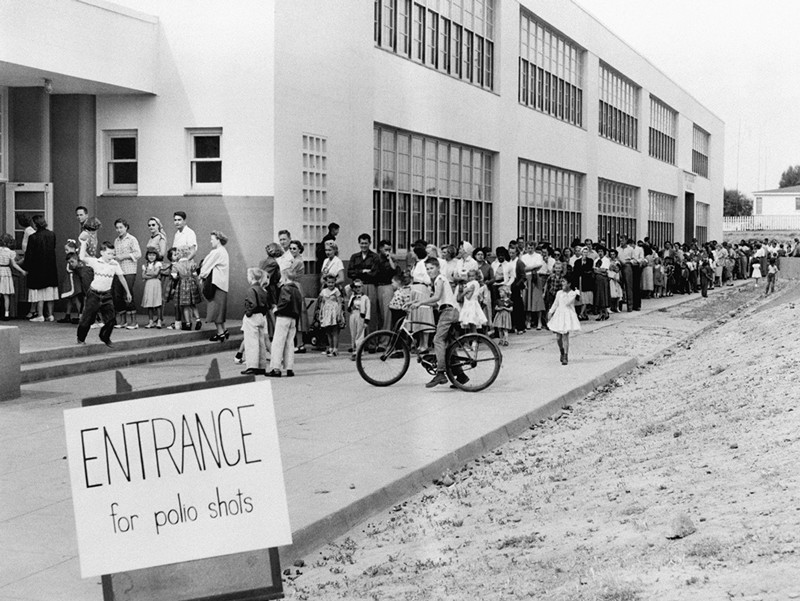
178 492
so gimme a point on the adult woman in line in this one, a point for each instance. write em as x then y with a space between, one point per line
585 271
332 265
433 251
297 268
480 254
646 283
158 239
28 230
215 275
533 297
40 263
422 316
516 272
544 271
602 288
499 271
127 253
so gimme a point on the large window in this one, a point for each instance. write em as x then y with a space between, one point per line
700 151
661 222
701 213
616 208
550 203
759 209
619 108
3 134
455 37
430 189
205 160
550 71
315 190
122 166
663 131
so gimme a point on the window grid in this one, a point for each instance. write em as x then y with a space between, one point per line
701 215
700 143
619 108
121 150
550 203
430 189
205 159
550 71
661 221
616 207
315 188
663 132
455 37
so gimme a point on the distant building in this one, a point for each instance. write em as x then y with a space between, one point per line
408 119
780 201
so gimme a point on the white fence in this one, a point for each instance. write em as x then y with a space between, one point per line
761 222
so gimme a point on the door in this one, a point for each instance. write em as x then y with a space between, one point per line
688 219
27 199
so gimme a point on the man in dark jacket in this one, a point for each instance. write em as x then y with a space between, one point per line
287 310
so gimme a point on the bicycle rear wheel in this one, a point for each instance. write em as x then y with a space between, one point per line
472 362
383 358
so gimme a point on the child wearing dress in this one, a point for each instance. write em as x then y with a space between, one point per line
168 285
563 319
658 278
187 295
756 271
485 301
254 323
7 262
330 314
502 314
772 275
358 304
401 298
152 296
471 315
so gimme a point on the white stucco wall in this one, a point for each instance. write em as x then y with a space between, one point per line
778 204
215 69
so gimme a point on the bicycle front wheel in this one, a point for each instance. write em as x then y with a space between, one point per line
383 358
472 362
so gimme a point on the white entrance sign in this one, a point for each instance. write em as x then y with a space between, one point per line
173 478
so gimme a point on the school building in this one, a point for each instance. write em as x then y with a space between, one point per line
407 119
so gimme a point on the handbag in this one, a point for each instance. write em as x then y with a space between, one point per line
208 287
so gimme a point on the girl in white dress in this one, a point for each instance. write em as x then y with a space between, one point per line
7 261
562 318
471 314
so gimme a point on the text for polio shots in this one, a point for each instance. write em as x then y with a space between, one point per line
174 478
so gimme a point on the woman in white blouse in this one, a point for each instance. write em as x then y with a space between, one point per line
217 267
421 291
332 265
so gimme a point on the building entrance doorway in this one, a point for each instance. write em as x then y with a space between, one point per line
688 218
29 199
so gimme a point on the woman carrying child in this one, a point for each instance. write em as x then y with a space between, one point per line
471 315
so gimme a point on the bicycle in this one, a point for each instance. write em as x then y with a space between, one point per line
472 361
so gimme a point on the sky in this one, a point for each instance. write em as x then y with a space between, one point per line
739 58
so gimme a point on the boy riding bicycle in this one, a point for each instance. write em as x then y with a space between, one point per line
445 297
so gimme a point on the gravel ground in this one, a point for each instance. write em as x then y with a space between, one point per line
677 481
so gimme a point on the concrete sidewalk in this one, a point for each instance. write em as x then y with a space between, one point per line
348 449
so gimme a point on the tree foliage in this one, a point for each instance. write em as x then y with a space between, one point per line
735 204
790 177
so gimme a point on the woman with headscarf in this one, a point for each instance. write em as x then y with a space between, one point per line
40 263
215 273
158 239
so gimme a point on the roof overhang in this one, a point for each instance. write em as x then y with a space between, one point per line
81 46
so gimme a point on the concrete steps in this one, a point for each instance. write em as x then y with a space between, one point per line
94 356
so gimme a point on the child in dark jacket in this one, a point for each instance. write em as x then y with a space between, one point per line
287 310
254 323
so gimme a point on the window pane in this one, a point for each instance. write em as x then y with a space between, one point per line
206 147
123 148
208 172
124 173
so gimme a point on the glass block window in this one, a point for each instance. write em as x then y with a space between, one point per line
430 189
700 141
455 37
663 131
661 222
3 134
616 208
550 203
550 71
701 217
205 160
121 155
315 189
619 108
